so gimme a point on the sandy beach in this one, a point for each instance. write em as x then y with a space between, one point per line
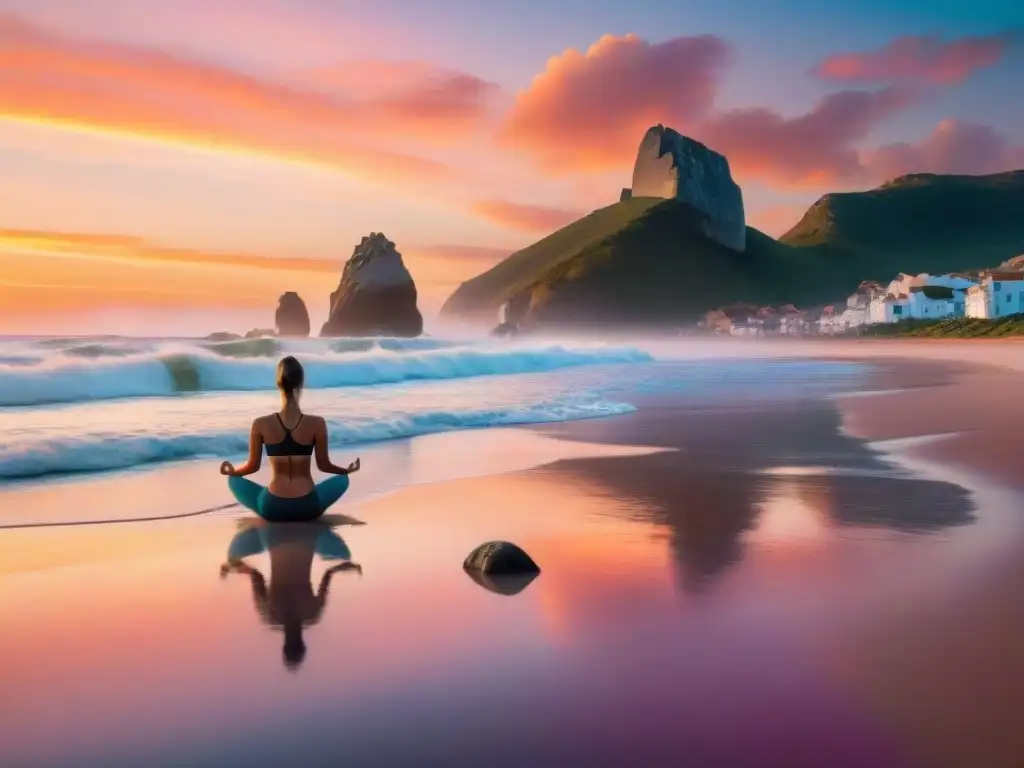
783 578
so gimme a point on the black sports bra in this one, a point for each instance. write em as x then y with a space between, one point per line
289 446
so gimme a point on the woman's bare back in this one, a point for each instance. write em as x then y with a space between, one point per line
291 476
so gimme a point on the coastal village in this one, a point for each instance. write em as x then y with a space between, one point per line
988 294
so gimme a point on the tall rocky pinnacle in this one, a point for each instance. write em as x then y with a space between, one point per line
376 296
671 165
291 317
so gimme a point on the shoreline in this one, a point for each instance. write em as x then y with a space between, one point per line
707 565
888 379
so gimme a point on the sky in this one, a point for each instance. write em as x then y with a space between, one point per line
175 167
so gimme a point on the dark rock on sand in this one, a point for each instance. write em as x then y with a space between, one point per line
500 558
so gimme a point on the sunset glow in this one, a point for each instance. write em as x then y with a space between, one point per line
260 157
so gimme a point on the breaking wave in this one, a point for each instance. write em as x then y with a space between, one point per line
104 451
70 377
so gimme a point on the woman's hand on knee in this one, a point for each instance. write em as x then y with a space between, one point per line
353 467
227 468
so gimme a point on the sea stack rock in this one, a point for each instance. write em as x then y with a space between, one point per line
376 296
671 165
292 317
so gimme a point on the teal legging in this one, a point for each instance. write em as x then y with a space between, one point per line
279 509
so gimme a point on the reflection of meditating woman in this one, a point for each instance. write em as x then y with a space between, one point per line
291 494
289 602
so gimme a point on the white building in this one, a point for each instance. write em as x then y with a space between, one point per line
924 297
977 301
745 326
933 297
855 316
903 283
935 302
889 308
830 322
791 323
998 295
858 305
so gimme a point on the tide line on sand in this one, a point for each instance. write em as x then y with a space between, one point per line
69 523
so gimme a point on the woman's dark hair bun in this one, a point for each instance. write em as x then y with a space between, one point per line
290 376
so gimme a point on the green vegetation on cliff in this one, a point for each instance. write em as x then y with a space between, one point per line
645 260
488 291
923 222
950 328
641 261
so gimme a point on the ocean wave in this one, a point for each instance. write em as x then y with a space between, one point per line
99 347
186 368
63 342
105 451
246 348
389 345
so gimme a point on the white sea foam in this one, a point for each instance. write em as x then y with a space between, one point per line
35 455
63 377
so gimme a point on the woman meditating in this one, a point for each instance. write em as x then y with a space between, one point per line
291 438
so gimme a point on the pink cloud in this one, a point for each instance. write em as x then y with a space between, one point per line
525 218
413 95
953 147
811 149
922 58
588 111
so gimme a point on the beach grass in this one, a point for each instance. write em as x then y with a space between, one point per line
949 328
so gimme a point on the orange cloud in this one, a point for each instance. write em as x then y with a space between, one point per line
54 272
525 218
69 272
131 248
587 111
953 147
120 89
923 58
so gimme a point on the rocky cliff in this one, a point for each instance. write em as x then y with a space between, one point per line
291 317
670 165
659 270
651 261
376 296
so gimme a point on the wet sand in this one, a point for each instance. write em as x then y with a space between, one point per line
758 584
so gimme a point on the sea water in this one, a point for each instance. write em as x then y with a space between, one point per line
74 407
